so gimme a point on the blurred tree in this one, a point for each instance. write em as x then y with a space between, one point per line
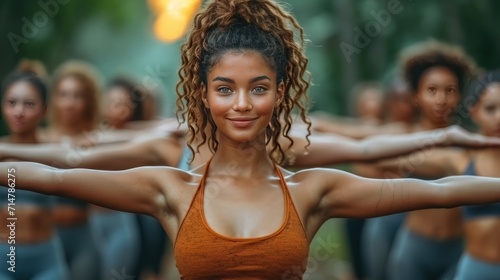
45 29
378 30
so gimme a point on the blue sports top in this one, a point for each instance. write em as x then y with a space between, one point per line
477 211
23 197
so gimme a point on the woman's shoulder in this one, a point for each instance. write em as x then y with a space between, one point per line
178 186
306 172
309 178
173 176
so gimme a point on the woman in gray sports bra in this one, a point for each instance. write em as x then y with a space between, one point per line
481 259
29 245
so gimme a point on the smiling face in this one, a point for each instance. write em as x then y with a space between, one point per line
486 113
22 108
241 94
438 95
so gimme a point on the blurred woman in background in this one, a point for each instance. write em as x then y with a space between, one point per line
38 252
431 241
74 113
125 102
482 222
379 233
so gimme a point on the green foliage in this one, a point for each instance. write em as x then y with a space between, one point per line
471 24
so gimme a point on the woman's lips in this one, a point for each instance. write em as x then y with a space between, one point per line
242 122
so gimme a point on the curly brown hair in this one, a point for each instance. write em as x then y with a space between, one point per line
243 25
417 59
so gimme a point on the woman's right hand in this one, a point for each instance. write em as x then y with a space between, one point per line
457 136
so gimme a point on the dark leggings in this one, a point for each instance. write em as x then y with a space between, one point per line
39 261
153 241
415 257
80 251
378 238
354 228
118 242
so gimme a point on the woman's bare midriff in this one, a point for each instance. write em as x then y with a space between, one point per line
68 216
33 225
437 224
483 238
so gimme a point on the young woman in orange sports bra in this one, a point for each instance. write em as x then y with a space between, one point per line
241 216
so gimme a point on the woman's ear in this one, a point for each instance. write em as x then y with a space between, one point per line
204 96
280 94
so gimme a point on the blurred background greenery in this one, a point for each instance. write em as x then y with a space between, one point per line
117 37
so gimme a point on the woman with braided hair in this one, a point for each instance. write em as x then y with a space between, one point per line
240 215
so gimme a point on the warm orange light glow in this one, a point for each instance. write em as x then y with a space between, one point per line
173 17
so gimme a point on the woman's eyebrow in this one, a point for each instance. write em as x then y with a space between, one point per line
253 80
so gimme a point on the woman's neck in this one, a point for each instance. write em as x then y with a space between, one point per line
426 124
69 130
29 138
244 160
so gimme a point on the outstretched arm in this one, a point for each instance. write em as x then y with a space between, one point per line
346 195
430 163
157 151
135 190
328 149
353 128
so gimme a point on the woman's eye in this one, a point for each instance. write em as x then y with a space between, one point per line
259 89
432 89
29 104
451 90
490 109
224 90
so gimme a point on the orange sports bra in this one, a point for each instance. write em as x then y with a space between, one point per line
201 253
